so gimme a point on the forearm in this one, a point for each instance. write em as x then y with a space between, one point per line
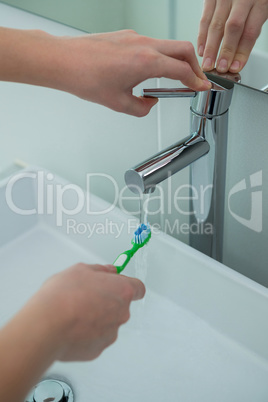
28 346
31 57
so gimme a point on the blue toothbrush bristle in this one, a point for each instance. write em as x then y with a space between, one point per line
141 234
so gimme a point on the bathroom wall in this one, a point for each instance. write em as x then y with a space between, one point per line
105 15
89 16
148 18
262 42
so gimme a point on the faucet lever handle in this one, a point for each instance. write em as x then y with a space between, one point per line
169 93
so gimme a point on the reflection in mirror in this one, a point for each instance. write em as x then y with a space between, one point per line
173 19
255 73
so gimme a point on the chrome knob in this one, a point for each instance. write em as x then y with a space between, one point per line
48 391
51 391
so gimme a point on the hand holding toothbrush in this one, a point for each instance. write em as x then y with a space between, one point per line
73 317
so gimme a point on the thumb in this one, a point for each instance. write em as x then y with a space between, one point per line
140 106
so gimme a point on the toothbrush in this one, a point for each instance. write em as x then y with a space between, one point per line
141 236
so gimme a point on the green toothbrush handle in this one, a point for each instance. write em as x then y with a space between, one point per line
123 259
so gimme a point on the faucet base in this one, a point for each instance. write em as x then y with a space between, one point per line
207 179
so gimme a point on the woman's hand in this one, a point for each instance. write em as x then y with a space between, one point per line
121 60
102 68
90 302
74 316
235 23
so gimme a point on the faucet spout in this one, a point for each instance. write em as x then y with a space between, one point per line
143 177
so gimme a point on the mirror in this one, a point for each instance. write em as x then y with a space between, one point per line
174 19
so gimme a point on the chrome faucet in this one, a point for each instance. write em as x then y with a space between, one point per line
205 150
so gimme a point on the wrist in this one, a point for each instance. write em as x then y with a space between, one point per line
29 344
30 57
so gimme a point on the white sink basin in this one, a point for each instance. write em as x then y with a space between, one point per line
200 334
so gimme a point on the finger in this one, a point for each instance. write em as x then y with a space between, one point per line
137 106
138 288
103 268
183 51
208 11
181 70
233 31
110 268
252 30
215 34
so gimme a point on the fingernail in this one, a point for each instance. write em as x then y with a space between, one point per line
223 66
235 66
201 50
207 64
207 83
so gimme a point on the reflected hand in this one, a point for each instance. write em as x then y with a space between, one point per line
235 23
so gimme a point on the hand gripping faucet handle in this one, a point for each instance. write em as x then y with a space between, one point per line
169 93
220 82
213 102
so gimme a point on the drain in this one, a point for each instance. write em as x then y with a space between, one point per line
51 391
